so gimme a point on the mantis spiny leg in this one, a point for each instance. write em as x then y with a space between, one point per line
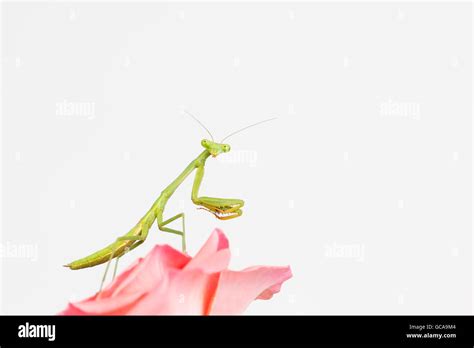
221 208
233 212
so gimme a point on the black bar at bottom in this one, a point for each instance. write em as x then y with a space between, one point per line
289 330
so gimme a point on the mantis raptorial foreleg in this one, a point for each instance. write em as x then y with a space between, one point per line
222 214
221 208
162 224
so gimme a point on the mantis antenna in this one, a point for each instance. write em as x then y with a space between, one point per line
202 125
252 125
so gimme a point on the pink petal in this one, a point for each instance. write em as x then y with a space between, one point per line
132 284
186 293
119 305
143 276
121 278
237 289
214 256
167 281
72 310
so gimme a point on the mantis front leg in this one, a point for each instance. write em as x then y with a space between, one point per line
221 208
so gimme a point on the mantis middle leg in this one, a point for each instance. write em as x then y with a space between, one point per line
162 224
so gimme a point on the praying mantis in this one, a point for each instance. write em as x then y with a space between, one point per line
221 208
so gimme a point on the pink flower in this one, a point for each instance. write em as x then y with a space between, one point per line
167 281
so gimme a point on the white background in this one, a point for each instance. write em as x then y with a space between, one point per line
362 185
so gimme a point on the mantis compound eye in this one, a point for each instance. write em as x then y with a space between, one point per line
226 148
204 142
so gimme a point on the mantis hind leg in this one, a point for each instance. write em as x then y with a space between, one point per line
137 240
133 246
162 224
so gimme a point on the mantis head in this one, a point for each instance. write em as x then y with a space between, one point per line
217 148
214 148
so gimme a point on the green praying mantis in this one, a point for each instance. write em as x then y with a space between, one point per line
221 208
